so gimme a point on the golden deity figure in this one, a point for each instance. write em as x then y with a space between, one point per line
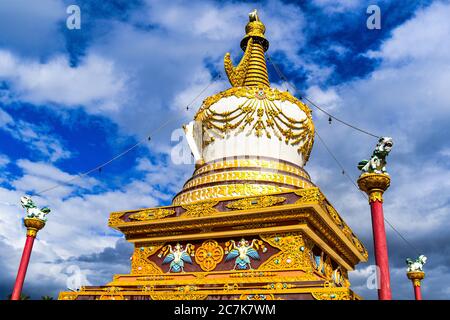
251 143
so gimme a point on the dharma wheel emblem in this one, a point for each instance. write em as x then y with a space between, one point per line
208 255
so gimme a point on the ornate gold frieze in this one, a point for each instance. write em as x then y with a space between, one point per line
200 209
178 296
294 253
228 190
257 297
255 202
150 214
209 255
140 264
332 295
247 176
114 218
309 195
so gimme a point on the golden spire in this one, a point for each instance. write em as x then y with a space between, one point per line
252 70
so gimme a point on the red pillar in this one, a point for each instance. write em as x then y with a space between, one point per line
22 268
381 250
33 226
417 293
374 184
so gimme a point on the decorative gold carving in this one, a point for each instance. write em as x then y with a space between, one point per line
255 202
309 195
337 295
178 296
112 294
208 255
236 75
33 225
139 261
114 218
150 214
252 273
257 297
262 115
374 184
294 254
200 209
375 196
416 277
228 190
67 296
257 175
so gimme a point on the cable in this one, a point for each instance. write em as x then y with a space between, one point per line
362 193
148 138
283 78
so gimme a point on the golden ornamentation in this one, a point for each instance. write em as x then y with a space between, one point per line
374 184
273 164
335 215
375 196
178 296
294 254
243 176
208 255
309 195
139 261
416 277
252 70
33 225
114 218
257 297
262 115
252 273
67 296
200 209
236 75
338 295
150 214
255 202
228 190
112 294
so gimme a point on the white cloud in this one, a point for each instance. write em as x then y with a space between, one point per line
328 97
94 83
423 36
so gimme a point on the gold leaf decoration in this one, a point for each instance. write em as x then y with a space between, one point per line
255 202
208 255
200 209
140 263
151 214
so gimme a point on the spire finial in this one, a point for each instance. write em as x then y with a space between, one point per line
252 69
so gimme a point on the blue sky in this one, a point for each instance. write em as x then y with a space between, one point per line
72 99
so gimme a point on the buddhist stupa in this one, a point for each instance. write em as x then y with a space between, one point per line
249 224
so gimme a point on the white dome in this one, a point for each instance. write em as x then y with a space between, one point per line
249 141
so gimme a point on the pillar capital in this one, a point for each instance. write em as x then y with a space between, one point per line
33 225
416 277
374 184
